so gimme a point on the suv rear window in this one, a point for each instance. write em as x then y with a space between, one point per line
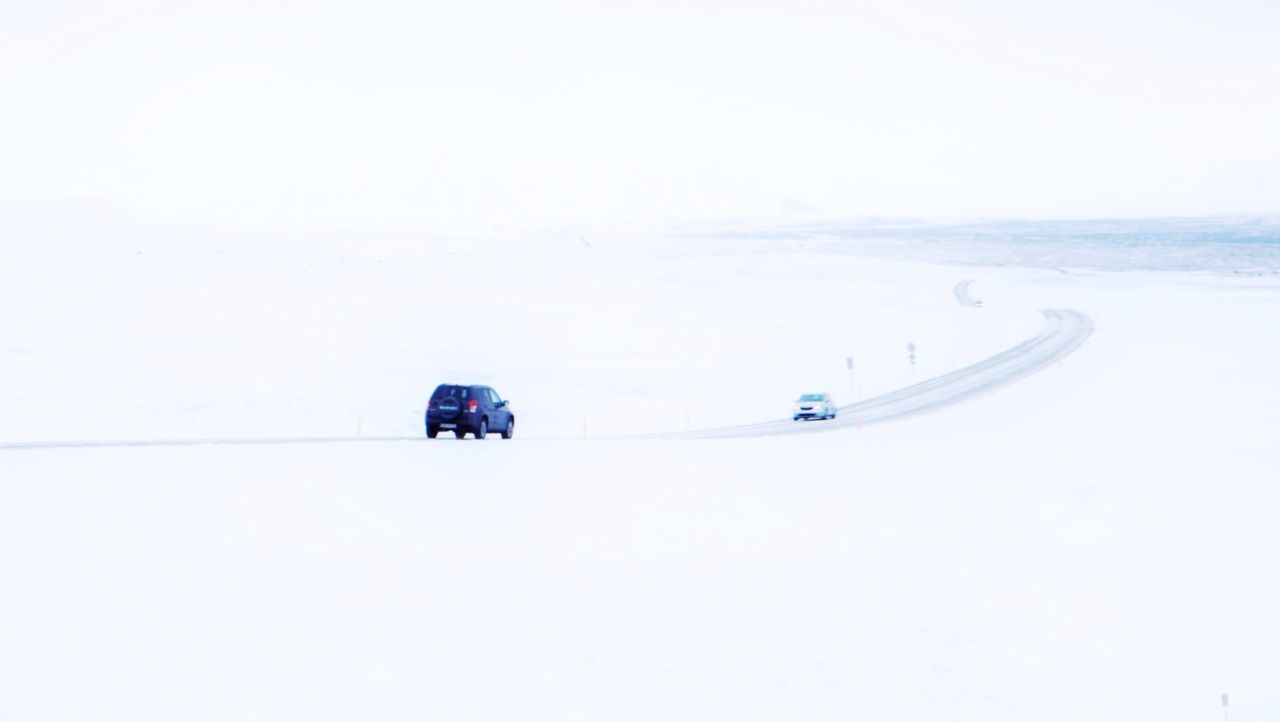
457 392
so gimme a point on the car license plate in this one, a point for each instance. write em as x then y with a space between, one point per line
448 426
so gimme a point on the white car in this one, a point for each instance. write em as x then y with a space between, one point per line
813 406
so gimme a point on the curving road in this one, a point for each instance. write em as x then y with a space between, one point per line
1063 333
962 294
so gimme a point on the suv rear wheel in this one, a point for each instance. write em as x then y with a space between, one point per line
432 430
459 434
482 429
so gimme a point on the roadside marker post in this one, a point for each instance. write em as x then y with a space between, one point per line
1225 708
848 361
911 352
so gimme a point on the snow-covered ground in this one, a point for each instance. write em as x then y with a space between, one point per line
1093 542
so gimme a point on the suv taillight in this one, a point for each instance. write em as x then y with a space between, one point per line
471 407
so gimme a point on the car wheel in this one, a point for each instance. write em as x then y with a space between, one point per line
484 428
432 430
459 433
510 430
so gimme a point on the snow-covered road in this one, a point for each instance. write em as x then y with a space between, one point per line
962 293
1064 332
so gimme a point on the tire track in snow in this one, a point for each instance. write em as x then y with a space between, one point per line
200 442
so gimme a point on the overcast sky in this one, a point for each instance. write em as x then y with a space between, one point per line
565 111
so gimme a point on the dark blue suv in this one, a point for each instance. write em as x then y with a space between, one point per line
466 409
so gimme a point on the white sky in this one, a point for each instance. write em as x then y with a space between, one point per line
564 111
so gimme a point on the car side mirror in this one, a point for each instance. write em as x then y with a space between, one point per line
502 404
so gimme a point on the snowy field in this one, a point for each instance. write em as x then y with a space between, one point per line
1096 541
